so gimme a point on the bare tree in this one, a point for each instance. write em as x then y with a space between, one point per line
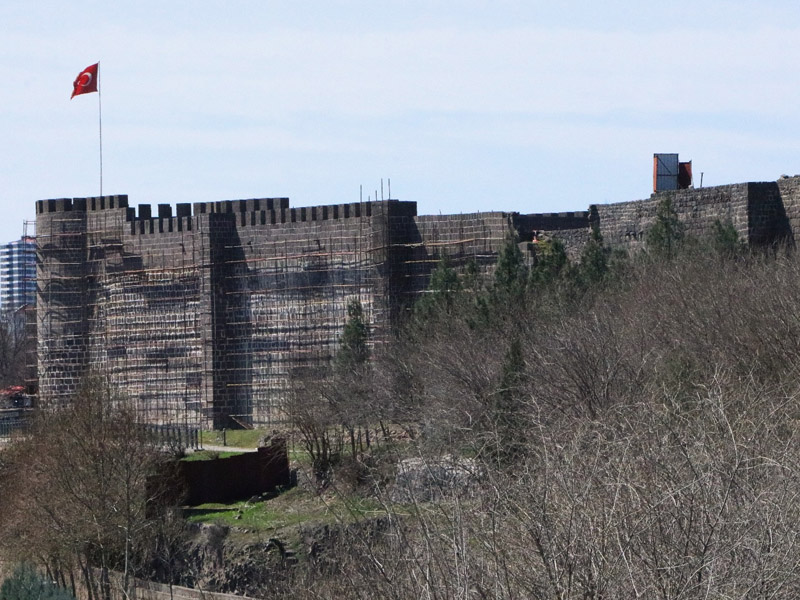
16 344
76 490
660 448
317 422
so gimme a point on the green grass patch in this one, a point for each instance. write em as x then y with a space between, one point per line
298 455
209 455
238 438
291 508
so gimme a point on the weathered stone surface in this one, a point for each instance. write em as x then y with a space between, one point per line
205 317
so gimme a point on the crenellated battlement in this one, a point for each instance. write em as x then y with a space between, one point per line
254 211
93 203
553 221
562 216
162 224
305 214
240 206
263 212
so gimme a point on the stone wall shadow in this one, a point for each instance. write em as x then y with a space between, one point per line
768 224
232 325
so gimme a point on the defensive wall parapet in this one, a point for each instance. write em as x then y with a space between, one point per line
788 204
625 224
759 211
81 204
208 312
252 212
204 314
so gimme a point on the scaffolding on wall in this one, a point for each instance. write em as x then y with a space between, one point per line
285 303
146 331
206 323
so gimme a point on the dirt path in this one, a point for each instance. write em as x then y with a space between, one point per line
216 448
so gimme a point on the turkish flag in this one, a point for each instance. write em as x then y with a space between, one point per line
86 81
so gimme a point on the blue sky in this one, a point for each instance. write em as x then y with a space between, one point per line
465 106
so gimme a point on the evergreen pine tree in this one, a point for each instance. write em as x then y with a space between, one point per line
507 411
726 240
353 350
351 377
27 584
594 258
511 274
551 261
667 232
442 291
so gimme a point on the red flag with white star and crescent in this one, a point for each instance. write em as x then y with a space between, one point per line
86 81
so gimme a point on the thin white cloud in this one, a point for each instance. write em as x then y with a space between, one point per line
511 70
471 104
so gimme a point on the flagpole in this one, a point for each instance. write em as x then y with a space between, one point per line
100 117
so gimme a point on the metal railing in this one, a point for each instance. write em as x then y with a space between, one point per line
11 424
175 436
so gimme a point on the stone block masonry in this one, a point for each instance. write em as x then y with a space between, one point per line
205 317
758 212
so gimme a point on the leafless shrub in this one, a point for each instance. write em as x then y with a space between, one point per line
76 491
661 446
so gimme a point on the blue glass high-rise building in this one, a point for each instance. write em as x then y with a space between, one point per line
18 274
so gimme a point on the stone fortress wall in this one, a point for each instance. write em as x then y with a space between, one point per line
204 316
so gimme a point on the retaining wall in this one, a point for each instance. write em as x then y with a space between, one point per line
236 477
